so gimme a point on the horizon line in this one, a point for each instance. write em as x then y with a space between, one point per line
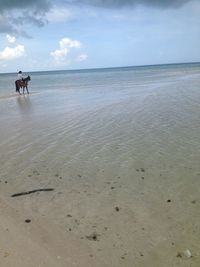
103 68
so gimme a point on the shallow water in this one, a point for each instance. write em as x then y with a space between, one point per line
149 112
132 123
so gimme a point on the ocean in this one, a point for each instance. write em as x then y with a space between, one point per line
149 103
105 138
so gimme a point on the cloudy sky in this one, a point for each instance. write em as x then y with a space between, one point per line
74 34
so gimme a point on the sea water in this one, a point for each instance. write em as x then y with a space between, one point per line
105 138
149 109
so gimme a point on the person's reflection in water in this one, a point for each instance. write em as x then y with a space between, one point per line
24 104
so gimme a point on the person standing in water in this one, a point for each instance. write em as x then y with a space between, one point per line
19 78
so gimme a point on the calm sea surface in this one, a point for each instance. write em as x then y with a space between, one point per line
150 114
111 79
107 138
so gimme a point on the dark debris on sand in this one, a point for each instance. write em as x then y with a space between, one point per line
32 191
93 237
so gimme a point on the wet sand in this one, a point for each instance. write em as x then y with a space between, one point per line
125 175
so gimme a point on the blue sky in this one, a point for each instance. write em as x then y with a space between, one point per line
74 34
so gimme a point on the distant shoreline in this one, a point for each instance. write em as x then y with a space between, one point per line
107 68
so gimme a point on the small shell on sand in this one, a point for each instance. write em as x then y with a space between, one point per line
187 253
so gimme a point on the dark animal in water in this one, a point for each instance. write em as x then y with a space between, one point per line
23 84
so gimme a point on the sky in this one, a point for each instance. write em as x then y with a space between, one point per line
39 35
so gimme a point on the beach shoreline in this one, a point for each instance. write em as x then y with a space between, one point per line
122 160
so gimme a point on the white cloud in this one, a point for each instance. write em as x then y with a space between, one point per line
12 53
69 43
59 14
11 39
66 45
82 57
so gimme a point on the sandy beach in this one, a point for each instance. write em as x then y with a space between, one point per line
124 175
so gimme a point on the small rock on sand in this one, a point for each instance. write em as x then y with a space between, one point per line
93 237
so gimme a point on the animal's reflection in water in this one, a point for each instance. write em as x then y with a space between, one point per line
24 103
